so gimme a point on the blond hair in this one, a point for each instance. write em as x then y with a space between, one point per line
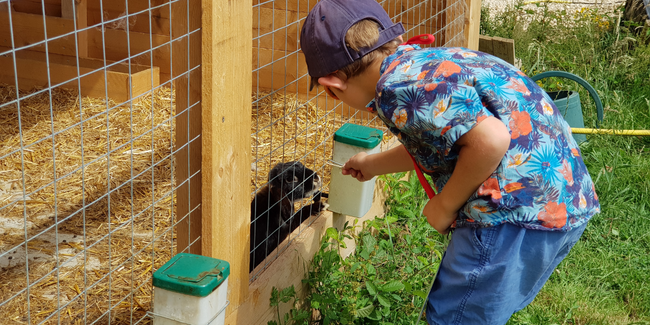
363 34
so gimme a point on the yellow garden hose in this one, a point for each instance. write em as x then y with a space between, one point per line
610 131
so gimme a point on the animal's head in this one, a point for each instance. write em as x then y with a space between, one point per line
294 180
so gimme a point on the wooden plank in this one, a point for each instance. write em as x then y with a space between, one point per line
276 29
144 81
284 70
485 44
72 61
137 23
503 48
33 72
52 8
472 25
117 50
28 29
226 60
134 6
77 10
293 5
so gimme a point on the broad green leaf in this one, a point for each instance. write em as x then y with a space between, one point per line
371 269
369 243
383 300
332 233
408 287
420 294
374 315
364 312
372 289
364 253
392 286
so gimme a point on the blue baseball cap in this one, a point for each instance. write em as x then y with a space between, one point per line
322 37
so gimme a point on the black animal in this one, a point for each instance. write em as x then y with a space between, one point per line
272 211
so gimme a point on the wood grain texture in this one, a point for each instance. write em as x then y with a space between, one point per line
226 60
77 10
472 24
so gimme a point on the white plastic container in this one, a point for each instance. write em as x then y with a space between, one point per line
191 289
348 196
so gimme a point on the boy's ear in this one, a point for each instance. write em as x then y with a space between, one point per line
333 81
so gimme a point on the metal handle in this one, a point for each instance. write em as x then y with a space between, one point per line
582 82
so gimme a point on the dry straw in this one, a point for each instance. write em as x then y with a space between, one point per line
102 261
105 260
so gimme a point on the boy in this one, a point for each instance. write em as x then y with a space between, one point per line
511 181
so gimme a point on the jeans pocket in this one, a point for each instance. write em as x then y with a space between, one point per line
483 237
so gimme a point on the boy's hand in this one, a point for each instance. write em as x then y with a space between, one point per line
439 215
357 167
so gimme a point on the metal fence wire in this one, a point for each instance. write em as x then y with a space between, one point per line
291 124
98 157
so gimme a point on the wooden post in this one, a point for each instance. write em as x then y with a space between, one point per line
227 56
77 9
472 23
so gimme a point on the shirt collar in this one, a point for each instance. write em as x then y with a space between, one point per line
372 106
399 52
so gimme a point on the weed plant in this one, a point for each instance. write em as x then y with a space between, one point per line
604 280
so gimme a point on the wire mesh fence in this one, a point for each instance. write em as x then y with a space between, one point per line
292 124
98 155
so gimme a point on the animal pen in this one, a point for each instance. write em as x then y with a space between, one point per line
133 130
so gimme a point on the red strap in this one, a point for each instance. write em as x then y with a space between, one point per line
423 181
420 39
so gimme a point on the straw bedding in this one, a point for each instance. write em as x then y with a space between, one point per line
286 128
103 253
98 261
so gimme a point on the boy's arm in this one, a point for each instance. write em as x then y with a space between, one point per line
363 166
481 152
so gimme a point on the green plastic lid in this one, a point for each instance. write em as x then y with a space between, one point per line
359 135
191 274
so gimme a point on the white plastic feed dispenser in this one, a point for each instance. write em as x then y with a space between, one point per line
191 289
347 195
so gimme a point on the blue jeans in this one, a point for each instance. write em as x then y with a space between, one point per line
488 274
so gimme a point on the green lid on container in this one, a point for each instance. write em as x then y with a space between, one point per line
191 274
358 135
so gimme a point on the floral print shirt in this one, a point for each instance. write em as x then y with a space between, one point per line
430 97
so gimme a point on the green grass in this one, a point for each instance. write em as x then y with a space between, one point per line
604 280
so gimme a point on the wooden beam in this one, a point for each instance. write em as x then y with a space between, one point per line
33 72
503 48
226 60
114 45
29 29
77 10
472 23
